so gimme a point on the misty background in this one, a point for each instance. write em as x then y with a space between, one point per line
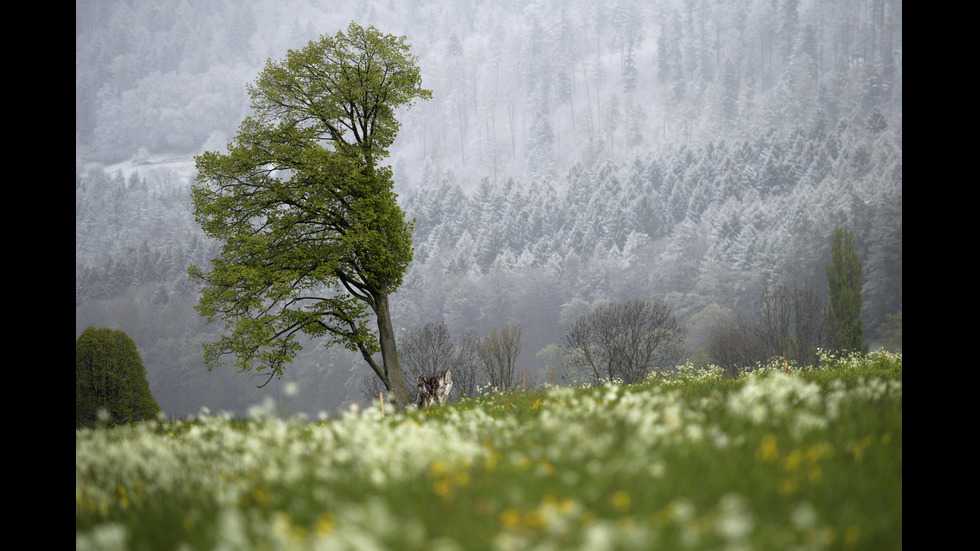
694 152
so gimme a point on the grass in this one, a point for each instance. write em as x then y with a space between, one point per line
806 459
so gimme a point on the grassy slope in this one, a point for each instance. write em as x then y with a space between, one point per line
769 460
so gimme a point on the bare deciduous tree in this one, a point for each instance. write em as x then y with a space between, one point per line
624 341
787 321
497 354
734 344
431 349
792 322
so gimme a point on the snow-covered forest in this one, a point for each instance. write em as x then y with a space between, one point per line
694 152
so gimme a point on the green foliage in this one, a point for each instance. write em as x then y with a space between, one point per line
110 380
312 234
844 277
343 88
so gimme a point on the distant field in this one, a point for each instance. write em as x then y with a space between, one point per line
794 459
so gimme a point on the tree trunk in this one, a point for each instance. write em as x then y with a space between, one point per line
389 352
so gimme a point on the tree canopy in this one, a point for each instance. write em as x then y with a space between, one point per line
312 233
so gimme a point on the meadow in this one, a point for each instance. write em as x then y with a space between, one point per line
778 458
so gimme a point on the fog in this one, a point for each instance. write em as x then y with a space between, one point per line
693 152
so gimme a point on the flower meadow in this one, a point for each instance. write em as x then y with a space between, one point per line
780 457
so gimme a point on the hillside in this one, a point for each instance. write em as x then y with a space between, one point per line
770 460
696 153
523 89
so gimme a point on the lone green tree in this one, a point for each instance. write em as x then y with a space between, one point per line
313 240
109 375
845 331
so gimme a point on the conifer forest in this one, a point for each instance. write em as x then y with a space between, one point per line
694 153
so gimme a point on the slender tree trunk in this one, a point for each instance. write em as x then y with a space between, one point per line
389 352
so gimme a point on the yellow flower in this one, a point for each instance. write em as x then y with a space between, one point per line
768 450
325 524
123 498
440 468
788 485
533 518
491 460
443 487
858 447
621 501
793 460
260 497
815 453
282 526
510 517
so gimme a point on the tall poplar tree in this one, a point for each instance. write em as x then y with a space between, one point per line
314 241
844 278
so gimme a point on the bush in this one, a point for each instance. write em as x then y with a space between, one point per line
110 377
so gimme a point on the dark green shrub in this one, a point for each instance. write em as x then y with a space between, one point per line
109 375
